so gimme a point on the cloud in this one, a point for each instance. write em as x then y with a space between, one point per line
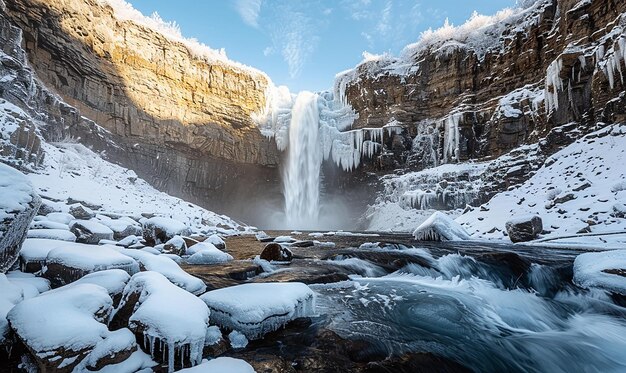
294 28
249 11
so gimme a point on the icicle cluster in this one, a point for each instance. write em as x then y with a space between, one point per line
451 138
554 84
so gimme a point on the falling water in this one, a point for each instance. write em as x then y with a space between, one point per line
301 174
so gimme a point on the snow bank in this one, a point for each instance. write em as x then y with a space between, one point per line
221 364
167 316
590 270
168 268
440 227
256 309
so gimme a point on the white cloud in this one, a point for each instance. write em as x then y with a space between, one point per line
268 51
249 11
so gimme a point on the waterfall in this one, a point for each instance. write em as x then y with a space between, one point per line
301 173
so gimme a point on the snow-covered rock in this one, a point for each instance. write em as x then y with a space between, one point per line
168 268
605 270
60 217
206 253
221 364
47 224
52 234
90 231
30 284
122 227
171 321
217 241
113 280
259 308
159 229
10 295
176 245
64 326
35 251
18 205
81 212
68 263
524 228
440 227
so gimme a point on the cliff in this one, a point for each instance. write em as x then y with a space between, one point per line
482 89
180 114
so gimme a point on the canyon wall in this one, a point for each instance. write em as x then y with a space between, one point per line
180 115
507 85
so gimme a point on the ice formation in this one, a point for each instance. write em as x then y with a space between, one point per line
440 227
221 364
171 319
259 308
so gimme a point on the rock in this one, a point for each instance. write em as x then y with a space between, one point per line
276 252
171 322
524 228
56 347
217 241
159 230
90 231
122 227
18 205
81 212
440 227
70 262
176 245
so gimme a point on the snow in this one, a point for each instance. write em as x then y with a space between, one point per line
47 224
208 255
113 280
10 295
52 234
574 191
168 268
168 315
589 270
217 241
30 284
221 364
37 249
70 317
440 227
16 192
91 258
258 308
73 171
170 226
93 226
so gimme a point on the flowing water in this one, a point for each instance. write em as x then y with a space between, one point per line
301 173
473 313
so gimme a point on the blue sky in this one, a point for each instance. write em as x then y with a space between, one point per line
304 43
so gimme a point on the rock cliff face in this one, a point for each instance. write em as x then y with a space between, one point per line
180 118
557 62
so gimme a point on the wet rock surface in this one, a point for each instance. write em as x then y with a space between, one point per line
524 229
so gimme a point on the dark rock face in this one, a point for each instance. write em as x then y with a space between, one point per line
277 252
524 229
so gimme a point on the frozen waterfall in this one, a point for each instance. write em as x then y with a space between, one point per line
301 173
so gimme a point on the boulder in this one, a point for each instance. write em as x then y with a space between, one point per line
90 231
159 230
171 322
122 227
81 212
176 245
56 343
18 205
70 262
276 252
440 227
217 241
524 228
